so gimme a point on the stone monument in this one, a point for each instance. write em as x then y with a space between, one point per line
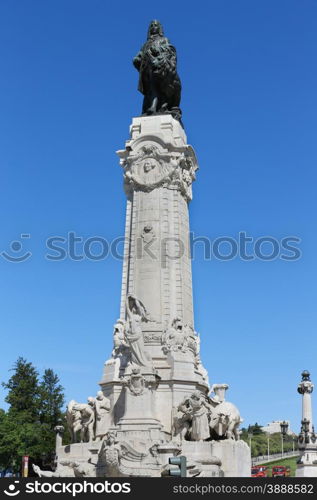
155 400
307 439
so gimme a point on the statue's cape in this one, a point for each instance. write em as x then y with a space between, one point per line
167 47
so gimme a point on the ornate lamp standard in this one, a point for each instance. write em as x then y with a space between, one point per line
268 445
284 427
305 388
250 435
307 439
294 438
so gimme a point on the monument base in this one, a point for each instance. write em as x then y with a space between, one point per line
306 471
149 458
307 464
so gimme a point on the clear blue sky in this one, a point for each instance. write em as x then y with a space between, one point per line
68 91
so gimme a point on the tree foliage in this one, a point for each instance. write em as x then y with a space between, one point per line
256 429
24 394
261 442
35 407
51 398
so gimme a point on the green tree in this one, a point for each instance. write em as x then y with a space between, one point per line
259 442
20 426
51 399
24 393
18 438
50 411
255 429
27 428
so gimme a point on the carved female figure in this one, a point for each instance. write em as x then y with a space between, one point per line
134 336
102 409
199 410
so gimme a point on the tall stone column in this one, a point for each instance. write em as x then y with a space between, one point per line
306 387
159 167
307 440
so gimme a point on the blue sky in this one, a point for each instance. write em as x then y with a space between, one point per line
68 91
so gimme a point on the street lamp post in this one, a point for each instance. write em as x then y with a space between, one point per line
268 445
250 434
293 444
284 427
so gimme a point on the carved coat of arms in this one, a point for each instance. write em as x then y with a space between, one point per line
136 382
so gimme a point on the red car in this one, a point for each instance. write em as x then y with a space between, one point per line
280 471
259 471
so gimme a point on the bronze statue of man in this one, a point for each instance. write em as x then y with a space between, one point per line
158 78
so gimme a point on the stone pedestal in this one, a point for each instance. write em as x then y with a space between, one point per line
309 470
235 457
140 415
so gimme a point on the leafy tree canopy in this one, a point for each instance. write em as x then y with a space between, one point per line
23 390
35 407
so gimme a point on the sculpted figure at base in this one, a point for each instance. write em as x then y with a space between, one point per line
45 473
74 420
87 419
158 80
181 422
62 470
91 419
196 409
81 469
225 417
102 410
